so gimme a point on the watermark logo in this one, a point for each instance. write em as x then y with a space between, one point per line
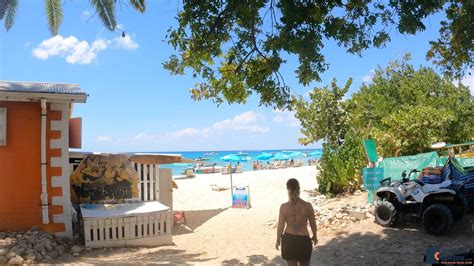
452 256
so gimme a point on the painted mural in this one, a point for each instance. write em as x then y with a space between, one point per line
104 179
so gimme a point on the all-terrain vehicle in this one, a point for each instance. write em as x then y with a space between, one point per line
436 204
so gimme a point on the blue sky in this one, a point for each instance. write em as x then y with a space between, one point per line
136 105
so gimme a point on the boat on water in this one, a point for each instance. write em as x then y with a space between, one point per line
242 153
208 169
212 153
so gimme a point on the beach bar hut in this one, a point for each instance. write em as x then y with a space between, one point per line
40 179
34 155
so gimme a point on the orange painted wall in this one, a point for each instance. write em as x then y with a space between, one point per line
20 169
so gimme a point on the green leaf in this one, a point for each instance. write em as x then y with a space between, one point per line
3 8
10 13
139 5
106 11
55 15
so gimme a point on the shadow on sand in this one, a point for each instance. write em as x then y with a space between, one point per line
402 245
194 219
163 255
256 259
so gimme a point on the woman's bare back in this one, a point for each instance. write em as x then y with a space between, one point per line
296 216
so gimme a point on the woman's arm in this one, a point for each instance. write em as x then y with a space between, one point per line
312 224
280 227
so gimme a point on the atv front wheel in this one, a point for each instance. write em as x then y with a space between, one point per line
437 219
385 214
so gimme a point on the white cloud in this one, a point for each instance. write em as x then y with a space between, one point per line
285 117
247 122
125 42
75 51
78 52
468 81
103 139
86 14
368 78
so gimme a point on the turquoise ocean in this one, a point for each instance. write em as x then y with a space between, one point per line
215 157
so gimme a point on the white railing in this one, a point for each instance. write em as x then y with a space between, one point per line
148 186
149 229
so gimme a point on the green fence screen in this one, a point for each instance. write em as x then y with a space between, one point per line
394 166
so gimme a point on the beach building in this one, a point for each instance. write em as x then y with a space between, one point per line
34 155
123 199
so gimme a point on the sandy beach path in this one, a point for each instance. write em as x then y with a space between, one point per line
215 233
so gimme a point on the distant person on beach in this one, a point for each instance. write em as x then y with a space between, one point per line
292 230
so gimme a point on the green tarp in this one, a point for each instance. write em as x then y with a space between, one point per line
465 162
394 166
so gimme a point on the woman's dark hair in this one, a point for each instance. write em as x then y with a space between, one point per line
293 187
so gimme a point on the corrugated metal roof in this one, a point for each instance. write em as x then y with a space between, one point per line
41 87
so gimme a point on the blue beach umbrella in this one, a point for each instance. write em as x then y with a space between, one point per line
281 156
316 153
232 158
264 156
295 154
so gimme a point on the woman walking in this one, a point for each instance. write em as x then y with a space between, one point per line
296 245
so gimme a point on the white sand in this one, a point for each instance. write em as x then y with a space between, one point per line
215 233
235 235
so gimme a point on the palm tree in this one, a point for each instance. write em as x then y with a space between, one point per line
105 9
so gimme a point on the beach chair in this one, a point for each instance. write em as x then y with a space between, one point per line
189 173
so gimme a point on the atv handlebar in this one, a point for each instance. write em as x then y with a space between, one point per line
383 181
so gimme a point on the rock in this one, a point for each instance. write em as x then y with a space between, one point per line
10 254
3 251
358 215
2 235
17 260
19 236
3 260
343 225
76 249
44 253
20 250
76 254
339 215
30 256
39 247
48 259
34 228
53 254
47 245
39 257
357 192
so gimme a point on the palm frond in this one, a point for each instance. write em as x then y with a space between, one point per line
55 15
139 5
3 8
10 13
106 11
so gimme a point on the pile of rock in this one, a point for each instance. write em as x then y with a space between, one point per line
342 216
33 246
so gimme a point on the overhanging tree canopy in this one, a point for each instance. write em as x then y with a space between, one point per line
237 47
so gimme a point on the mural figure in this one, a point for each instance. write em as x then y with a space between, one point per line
104 179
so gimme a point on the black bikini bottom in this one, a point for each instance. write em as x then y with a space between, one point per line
296 247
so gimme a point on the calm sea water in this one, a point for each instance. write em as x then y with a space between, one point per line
215 157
